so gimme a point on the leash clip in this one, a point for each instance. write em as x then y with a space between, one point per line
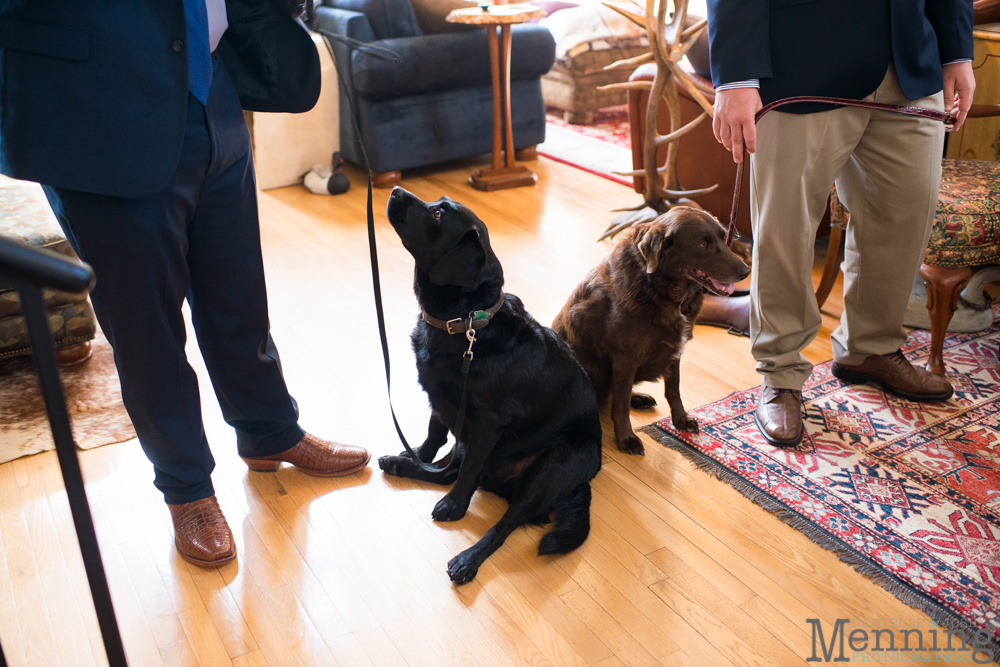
470 333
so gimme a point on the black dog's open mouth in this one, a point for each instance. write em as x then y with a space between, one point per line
712 285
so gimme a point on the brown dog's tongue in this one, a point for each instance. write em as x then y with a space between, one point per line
728 288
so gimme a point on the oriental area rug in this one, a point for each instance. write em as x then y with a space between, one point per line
601 147
908 493
93 397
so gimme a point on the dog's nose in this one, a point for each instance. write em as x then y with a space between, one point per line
396 192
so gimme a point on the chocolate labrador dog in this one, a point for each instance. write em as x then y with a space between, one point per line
532 434
628 321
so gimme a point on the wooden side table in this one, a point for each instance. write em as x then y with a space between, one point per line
504 171
979 138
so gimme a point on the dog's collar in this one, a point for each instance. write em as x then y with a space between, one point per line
477 319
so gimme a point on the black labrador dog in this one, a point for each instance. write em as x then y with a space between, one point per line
531 434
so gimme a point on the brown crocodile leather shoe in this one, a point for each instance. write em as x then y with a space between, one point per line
321 458
201 533
896 374
779 416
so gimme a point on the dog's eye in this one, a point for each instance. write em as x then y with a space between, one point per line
436 212
704 244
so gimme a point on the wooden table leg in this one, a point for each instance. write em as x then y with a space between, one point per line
491 38
504 172
508 128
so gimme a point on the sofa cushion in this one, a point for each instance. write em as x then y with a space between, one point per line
420 130
431 16
966 228
446 62
70 323
967 225
342 22
390 19
10 301
25 216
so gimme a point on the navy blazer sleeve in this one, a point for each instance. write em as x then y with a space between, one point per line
952 22
739 40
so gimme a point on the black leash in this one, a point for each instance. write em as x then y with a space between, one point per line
391 56
28 271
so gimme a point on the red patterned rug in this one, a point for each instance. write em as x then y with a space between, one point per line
610 125
908 493
601 147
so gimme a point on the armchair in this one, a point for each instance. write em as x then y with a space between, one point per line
437 104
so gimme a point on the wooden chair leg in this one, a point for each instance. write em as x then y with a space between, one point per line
72 355
943 284
389 179
834 256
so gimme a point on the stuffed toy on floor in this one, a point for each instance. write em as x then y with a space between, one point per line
325 180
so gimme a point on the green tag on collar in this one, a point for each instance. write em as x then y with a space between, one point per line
480 315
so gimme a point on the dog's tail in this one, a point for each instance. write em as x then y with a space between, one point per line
572 523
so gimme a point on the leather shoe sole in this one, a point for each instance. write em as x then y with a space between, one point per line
204 563
854 377
794 442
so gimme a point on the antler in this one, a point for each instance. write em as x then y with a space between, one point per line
669 42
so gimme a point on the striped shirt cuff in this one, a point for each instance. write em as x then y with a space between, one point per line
749 83
755 83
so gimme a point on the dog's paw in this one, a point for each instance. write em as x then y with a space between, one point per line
632 445
423 452
463 568
685 423
449 509
642 401
390 465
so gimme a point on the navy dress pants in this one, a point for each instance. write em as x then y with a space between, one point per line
199 239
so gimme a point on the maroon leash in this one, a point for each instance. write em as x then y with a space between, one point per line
942 116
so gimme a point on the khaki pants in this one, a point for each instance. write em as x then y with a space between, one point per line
887 168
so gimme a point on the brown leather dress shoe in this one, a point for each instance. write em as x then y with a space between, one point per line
313 456
201 533
896 374
779 416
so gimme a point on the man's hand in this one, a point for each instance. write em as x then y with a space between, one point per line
959 85
733 123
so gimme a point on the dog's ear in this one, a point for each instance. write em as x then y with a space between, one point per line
652 240
463 264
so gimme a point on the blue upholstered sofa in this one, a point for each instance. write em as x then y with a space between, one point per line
437 104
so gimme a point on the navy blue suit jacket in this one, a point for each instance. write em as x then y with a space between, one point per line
836 48
93 93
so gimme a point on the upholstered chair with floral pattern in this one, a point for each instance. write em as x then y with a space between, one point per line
25 217
965 238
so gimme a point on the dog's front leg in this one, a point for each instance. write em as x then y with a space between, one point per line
672 385
622 379
481 441
437 437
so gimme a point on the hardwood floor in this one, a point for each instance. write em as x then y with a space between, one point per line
680 569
